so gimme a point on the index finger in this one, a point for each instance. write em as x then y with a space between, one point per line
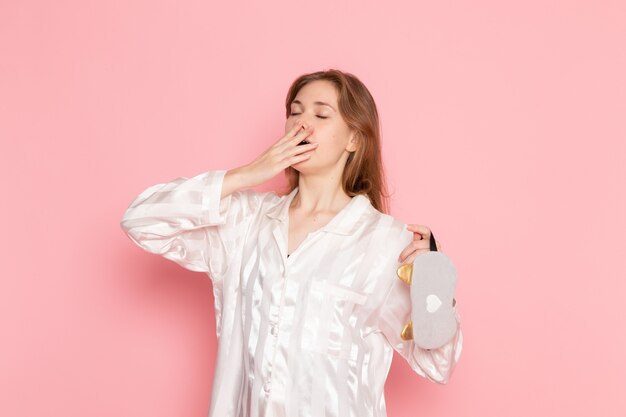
292 132
418 228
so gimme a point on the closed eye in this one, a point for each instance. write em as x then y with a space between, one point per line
321 117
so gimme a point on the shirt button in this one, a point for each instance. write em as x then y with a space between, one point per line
274 330
267 387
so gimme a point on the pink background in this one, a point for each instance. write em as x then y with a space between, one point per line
503 131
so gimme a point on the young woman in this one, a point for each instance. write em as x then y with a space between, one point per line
308 303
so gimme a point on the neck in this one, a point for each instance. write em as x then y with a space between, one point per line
320 194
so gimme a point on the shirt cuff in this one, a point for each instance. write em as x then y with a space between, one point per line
214 207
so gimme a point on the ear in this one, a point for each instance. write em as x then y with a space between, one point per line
353 141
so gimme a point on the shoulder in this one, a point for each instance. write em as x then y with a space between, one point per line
386 222
388 236
392 232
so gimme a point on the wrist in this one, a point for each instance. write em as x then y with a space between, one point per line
235 179
244 177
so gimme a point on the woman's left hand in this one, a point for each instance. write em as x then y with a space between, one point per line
420 243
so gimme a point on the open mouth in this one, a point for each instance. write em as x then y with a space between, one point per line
304 142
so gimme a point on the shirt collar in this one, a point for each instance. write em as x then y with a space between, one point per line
343 223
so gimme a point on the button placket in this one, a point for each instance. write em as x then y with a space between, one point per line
274 328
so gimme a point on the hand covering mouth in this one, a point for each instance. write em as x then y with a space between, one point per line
303 142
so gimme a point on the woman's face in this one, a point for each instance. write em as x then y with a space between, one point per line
330 131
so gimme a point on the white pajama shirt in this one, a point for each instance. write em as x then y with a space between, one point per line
309 335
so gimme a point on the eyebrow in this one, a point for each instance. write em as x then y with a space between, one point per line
321 103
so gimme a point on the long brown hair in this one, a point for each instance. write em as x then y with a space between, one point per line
363 172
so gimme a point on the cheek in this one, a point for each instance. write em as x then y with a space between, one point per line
335 137
331 147
329 134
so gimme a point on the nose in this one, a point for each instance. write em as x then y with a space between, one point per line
297 123
306 123
302 121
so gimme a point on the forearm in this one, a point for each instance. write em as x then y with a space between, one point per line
236 179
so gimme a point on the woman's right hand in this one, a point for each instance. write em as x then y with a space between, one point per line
282 154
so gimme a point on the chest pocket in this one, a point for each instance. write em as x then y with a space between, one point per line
330 320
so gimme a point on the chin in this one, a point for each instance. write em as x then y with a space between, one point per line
297 166
302 167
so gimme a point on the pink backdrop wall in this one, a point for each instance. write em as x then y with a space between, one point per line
503 131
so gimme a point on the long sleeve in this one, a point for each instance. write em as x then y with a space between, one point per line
186 221
436 365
